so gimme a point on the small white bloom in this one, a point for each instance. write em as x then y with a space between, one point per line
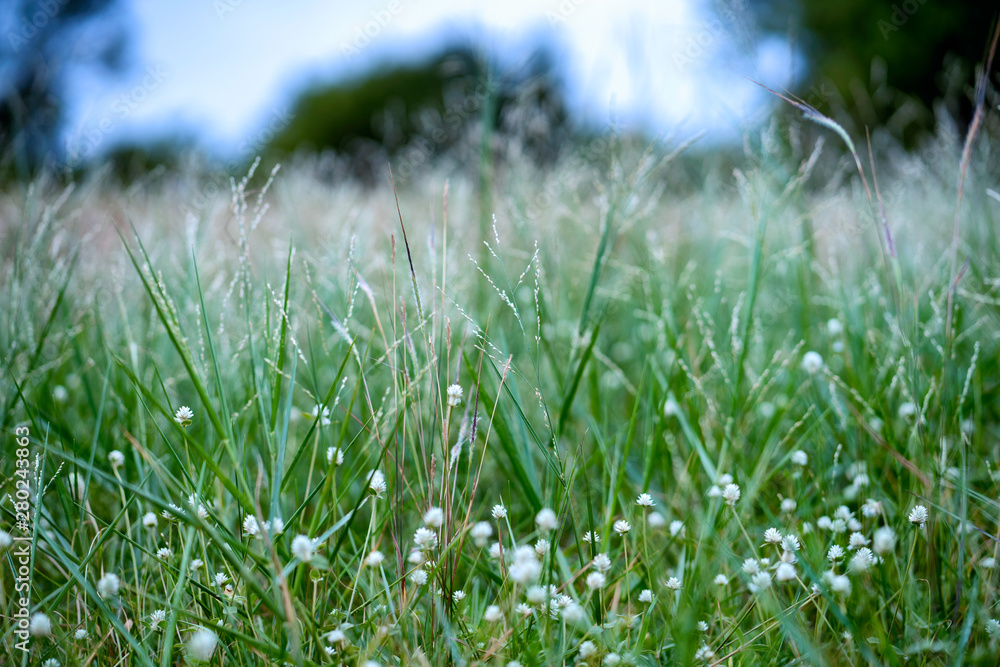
988 563
573 613
302 548
673 583
496 550
183 416
622 526
702 626
163 553
221 578
676 527
596 580
547 519
751 566
918 516
591 537
375 558
656 520
425 538
800 458
721 580
611 660
149 520
334 456
542 547
492 614
871 508
645 500
840 584
196 564
377 483
108 585
785 572
884 540
992 627
646 595
39 625
537 595
587 649
835 553
116 459
671 407
201 645
906 410
458 596
250 526
788 505
434 517
526 567
834 327
824 523
812 362
760 582
772 536
80 634
790 543
522 609
481 533
857 540
52 662
418 577
157 617
323 416
731 494
602 563
499 512
862 560
455 395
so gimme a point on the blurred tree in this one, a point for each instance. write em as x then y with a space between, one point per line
415 113
909 42
43 42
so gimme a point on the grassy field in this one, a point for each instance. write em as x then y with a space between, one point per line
644 415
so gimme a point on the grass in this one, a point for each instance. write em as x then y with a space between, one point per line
772 348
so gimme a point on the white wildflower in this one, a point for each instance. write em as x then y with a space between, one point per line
812 362
455 395
302 548
622 526
201 645
183 416
547 519
108 585
116 459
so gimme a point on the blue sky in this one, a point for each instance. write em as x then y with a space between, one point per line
221 70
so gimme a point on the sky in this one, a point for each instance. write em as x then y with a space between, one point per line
223 71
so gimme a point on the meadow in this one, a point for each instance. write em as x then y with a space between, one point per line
624 412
